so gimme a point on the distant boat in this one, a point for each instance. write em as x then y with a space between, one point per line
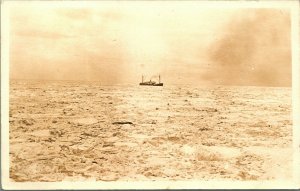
151 83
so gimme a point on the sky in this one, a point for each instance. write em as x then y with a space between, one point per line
118 42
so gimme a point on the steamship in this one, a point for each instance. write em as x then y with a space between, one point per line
151 83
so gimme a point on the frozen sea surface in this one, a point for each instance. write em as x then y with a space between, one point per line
65 131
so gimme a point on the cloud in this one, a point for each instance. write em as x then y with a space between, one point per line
254 49
41 34
75 13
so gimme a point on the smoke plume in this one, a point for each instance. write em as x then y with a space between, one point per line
254 49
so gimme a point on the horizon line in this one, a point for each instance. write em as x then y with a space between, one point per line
137 83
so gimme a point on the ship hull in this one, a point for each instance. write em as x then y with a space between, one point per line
147 84
159 84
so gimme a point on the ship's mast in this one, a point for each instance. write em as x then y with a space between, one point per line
142 78
159 78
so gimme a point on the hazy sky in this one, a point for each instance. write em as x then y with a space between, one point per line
117 42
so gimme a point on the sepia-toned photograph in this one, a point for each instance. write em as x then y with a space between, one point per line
149 92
